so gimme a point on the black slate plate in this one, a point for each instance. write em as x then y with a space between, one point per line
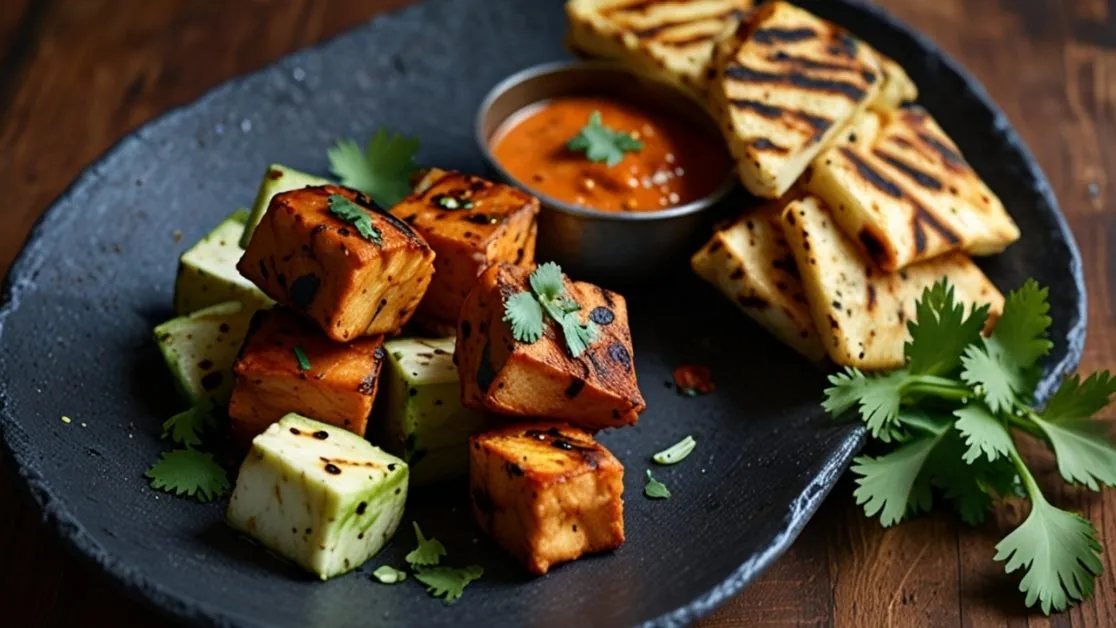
97 275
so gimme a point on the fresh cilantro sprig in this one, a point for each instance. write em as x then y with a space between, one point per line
382 170
190 473
447 583
350 212
602 144
524 311
951 414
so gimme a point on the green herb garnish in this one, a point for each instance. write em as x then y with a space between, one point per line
676 452
951 414
300 356
448 583
445 201
191 473
387 574
654 488
186 428
602 144
429 551
382 170
523 311
349 211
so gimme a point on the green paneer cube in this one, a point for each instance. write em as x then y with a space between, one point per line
319 495
425 422
207 273
277 179
200 349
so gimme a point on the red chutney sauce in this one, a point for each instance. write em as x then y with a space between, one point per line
680 162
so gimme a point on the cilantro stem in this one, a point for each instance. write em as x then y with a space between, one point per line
941 387
1034 493
1025 423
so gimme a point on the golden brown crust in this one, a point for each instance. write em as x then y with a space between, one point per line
305 257
339 388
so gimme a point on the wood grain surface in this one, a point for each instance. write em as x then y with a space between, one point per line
76 75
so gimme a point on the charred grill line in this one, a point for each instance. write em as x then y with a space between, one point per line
871 175
767 111
768 36
765 144
924 217
953 160
811 64
797 79
718 19
817 123
916 175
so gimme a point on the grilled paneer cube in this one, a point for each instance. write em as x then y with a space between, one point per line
499 374
861 313
332 254
750 262
288 365
909 195
785 84
470 223
424 421
207 272
672 40
546 492
318 495
200 349
277 179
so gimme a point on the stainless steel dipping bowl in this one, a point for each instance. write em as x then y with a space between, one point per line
605 247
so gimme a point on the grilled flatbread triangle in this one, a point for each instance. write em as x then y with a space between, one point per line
860 312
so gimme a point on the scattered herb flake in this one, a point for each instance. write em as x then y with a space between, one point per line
300 356
190 473
429 551
387 574
677 452
654 488
349 211
448 583
66 419
186 428
602 144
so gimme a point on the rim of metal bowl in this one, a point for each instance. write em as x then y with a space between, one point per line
555 67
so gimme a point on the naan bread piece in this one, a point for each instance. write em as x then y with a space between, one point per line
672 40
861 313
897 87
784 86
910 196
751 264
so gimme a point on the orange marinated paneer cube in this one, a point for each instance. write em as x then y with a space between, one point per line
546 492
500 374
288 365
330 253
470 223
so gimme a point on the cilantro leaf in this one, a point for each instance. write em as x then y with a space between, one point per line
886 482
654 488
1080 443
349 211
547 282
984 433
525 316
301 358
382 170
677 452
940 331
1058 549
191 473
387 574
186 428
602 144
579 336
429 551
1005 366
448 582
844 394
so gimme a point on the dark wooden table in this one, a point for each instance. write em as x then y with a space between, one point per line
76 75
